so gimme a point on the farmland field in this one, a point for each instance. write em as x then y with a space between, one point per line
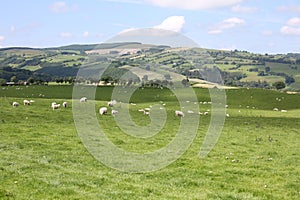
256 157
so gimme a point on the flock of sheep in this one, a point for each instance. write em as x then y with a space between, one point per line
104 110
112 103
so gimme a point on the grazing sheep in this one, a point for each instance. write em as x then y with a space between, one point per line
55 106
284 111
205 113
65 104
179 113
26 102
141 110
112 103
83 99
275 109
227 115
103 110
147 109
114 112
146 113
15 104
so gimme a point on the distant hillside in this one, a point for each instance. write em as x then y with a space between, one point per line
238 68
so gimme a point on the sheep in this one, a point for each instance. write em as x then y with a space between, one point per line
190 111
205 113
141 110
179 113
284 111
146 113
65 104
26 102
103 110
275 109
112 103
83 99
15 104
55 106
114 112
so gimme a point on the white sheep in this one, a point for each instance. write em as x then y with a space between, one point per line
112 103
205 113
55 106
275 109
65 104
179 113
103 110
15 104
284 111
26 102
146 113
83 99
114 112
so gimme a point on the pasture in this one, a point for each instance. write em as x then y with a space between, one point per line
256 157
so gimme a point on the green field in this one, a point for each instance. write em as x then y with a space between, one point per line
256 157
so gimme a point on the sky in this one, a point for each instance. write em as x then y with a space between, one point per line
258 26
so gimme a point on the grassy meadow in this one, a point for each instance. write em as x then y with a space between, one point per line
256 157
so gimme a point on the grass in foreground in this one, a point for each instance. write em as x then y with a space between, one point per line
257 156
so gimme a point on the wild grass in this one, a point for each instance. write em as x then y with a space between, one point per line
256 157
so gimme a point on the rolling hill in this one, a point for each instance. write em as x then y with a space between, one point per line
140 61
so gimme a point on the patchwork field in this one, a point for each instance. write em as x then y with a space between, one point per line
256 157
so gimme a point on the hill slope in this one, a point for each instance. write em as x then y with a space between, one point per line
238 68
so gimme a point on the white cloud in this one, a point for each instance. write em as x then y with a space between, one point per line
1 38
267 32
12 28
227 24
173 23
293 21
287 30
242 9
62 7
289 9
65 35
291 27
193 4
85 34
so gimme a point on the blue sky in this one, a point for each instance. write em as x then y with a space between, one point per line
262 26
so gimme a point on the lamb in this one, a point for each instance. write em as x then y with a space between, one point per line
65 104
83 99
112 103
54 105
15 104
179 113
103 110
26 102
114 112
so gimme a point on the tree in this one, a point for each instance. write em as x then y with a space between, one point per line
13 79
30 80
145 78
2 81
289 80
185 82
279 85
